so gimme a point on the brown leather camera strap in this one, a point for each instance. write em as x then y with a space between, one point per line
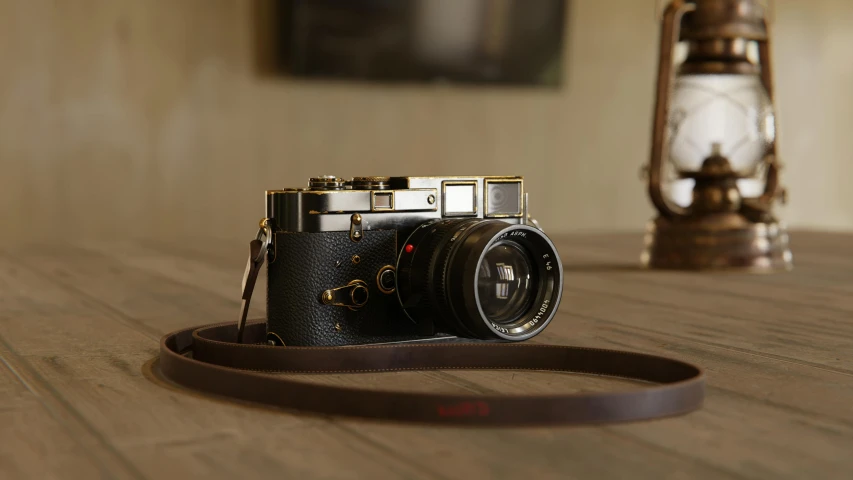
210 359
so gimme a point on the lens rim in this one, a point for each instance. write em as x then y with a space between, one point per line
548 293
438 281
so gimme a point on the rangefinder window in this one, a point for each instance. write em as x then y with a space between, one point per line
503 198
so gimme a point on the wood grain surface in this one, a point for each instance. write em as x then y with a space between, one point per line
79 328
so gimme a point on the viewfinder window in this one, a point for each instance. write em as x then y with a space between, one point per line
460 198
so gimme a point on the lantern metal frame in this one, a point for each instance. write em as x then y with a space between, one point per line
720 230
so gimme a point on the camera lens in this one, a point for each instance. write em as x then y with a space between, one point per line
504 283
476 278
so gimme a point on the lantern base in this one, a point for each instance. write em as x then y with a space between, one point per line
717 242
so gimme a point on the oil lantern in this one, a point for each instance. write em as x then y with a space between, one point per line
714 174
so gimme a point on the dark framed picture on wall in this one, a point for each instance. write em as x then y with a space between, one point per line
499 42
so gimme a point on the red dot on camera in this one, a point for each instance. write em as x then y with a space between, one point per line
410 248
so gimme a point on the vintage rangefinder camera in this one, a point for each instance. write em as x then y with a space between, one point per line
402 259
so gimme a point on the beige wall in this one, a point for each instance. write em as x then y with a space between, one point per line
147 118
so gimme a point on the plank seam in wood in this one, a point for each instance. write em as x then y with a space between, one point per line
108 459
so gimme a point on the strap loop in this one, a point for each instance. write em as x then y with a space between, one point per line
206 358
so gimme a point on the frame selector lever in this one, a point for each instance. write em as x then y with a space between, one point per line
354 295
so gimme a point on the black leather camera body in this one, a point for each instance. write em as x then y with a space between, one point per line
407 259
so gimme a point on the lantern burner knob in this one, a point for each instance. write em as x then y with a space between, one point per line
716 189
717 166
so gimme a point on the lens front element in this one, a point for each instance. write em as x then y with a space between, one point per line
504 283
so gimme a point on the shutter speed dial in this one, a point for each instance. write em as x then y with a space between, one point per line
327 182
370 183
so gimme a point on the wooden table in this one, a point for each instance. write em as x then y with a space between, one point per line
79 328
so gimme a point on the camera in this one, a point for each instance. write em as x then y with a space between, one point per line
407 259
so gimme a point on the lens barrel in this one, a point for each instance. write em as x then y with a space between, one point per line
484 279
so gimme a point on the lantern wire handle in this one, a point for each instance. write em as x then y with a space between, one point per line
670 32
771 187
